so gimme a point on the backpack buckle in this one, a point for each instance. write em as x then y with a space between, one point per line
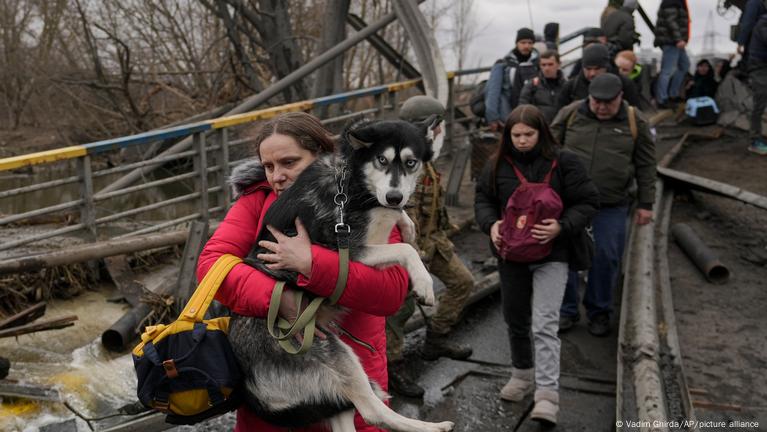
161 405
170 368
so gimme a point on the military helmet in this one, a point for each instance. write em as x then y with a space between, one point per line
420 107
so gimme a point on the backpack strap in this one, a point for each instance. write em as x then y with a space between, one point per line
633 122
549 174
521 177
197 305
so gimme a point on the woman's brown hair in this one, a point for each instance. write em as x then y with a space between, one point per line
305 128
530 116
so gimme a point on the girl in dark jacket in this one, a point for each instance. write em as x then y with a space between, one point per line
703 83
531 293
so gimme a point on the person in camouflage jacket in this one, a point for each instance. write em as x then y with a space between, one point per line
427 210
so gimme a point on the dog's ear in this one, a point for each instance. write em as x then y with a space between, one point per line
356 139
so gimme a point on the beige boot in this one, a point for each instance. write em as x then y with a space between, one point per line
520 385
546 406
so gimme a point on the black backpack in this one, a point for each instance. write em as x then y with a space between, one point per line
477 101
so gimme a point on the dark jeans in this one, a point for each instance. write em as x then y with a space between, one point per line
758 81
609 241
674 65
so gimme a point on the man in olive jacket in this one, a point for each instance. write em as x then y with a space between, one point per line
614 143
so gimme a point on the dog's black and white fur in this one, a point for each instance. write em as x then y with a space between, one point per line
383 160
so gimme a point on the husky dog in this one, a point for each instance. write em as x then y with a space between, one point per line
382 161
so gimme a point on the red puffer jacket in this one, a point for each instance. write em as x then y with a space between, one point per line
247 291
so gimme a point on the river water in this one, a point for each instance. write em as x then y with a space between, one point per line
93 381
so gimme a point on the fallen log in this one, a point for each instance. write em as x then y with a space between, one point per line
53 324
26 316
93 251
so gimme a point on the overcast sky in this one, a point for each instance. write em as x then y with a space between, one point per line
498 20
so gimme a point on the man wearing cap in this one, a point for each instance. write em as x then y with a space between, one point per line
614 142
427 210
507 77
596 61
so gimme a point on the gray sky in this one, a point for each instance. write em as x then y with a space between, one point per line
498 20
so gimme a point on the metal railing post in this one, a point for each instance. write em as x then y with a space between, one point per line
223 170
450 120
381 105
87 209
394 102
201 167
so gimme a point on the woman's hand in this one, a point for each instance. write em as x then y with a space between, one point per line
546 231
289 253
495 234
289 311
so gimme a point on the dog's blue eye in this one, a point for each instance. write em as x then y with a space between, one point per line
382 160
411 163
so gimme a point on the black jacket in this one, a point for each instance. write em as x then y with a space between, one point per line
544 94
753 41
578 88
580 196
619 28
673 23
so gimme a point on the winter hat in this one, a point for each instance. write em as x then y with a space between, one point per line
595 55
592 35
630 4
525 34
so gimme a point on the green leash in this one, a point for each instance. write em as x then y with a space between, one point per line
283 330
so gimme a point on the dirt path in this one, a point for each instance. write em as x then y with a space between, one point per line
723 328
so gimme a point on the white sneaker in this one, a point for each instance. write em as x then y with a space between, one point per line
520 385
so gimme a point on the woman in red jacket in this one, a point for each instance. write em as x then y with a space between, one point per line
285 146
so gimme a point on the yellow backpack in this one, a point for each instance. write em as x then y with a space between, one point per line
187 369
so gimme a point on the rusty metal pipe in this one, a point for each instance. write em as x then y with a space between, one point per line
700 254
126 329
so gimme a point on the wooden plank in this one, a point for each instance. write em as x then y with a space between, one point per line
26 316
53 324
151 422
713 186
28 391
124 278
187 279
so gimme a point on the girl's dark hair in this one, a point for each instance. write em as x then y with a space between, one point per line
530 116
305 128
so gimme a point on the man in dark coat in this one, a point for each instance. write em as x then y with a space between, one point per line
595 62
619 26
543 90
672 31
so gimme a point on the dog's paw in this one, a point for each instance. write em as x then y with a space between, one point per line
446 426
407 229
423 287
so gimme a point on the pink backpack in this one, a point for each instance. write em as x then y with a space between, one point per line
528 205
